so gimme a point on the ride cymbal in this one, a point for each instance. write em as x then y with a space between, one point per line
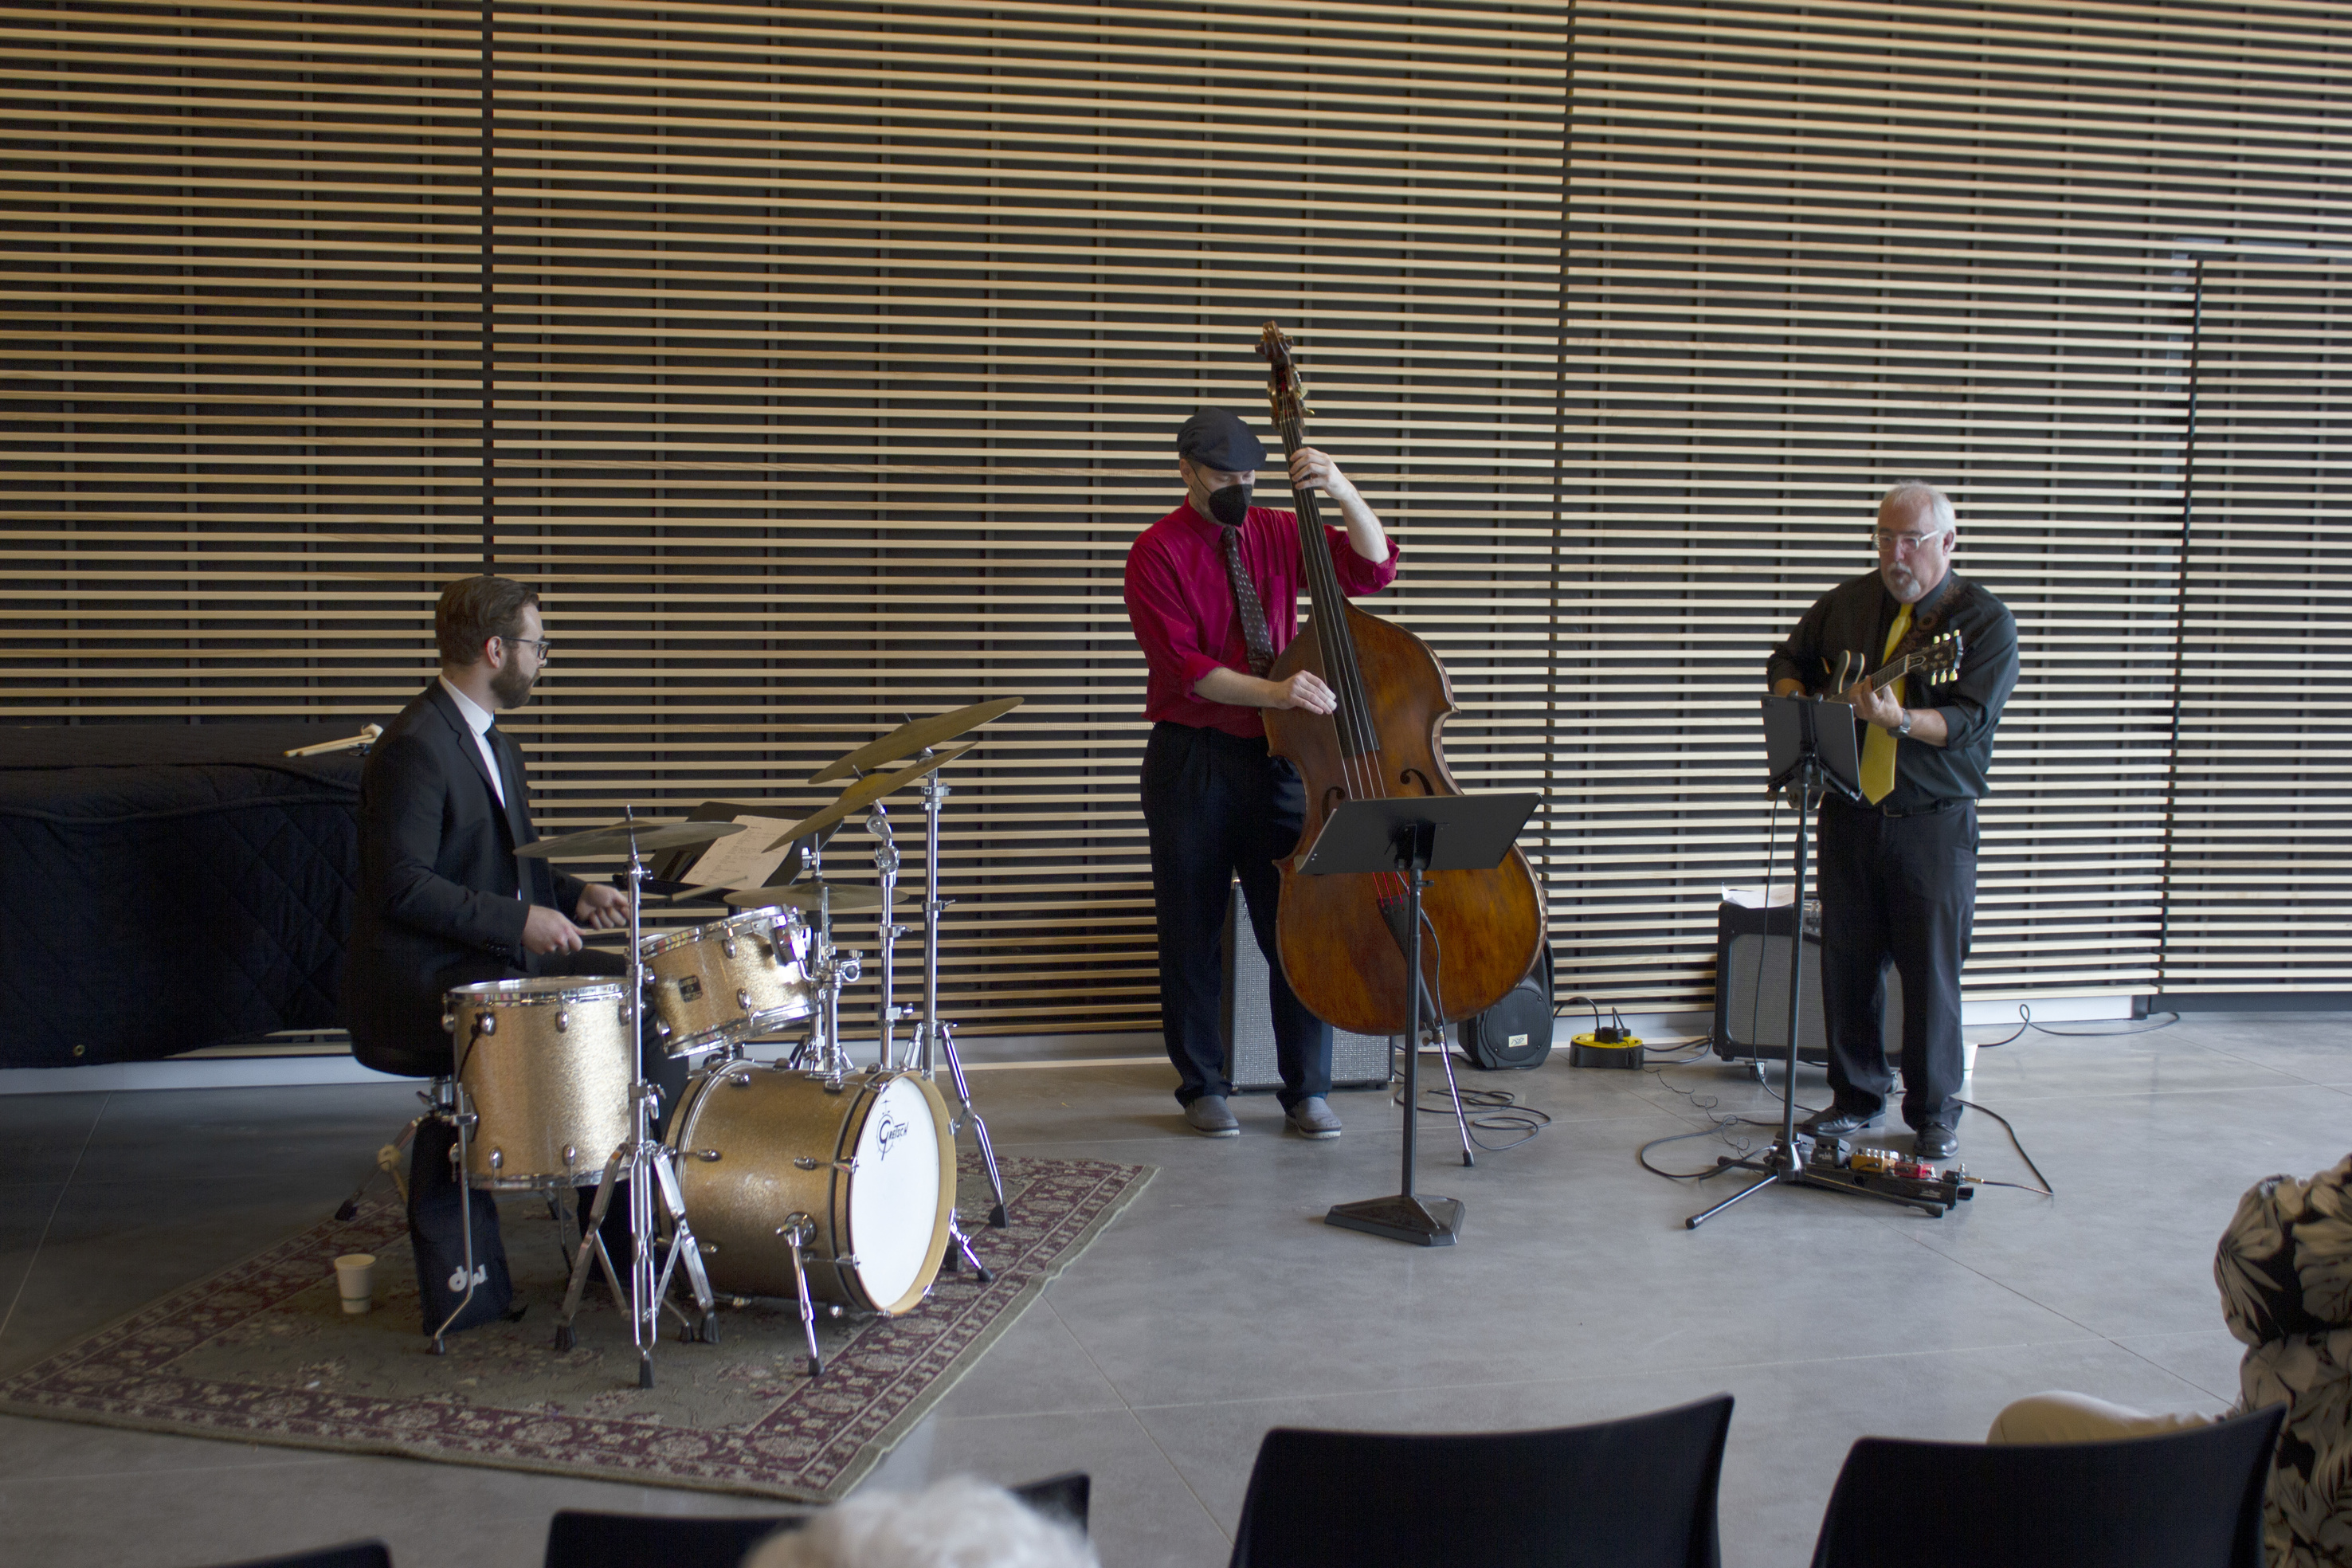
866 790
915 735
614 839
848 898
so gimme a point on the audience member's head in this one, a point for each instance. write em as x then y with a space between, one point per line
955 1524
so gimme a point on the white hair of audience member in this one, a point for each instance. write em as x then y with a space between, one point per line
954 1523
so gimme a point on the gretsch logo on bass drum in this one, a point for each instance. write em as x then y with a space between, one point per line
887 1133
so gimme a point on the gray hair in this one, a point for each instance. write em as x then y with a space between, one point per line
1939 505
955 1524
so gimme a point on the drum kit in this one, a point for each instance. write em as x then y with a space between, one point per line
806 1178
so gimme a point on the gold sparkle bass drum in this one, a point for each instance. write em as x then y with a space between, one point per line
865 1165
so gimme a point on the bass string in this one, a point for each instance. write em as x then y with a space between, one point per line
1364 773
1363 770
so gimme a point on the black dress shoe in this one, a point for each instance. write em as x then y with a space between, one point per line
1936 1141
1836 1123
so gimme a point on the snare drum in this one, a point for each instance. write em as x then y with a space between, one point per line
710 985
547 1064
871 1163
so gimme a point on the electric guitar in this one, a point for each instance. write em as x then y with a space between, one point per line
1937 657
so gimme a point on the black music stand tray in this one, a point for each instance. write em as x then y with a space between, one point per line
1415 836
1810 748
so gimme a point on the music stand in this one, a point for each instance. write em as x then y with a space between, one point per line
1415 836
1810 748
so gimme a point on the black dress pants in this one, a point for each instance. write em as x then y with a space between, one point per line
1899 891
1218 806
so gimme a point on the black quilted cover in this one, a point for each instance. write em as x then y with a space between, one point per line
168 887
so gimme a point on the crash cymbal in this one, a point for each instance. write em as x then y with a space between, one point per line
869 790
914 736
848 898
613 839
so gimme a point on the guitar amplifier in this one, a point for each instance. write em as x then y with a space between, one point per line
1358 1061
1752 987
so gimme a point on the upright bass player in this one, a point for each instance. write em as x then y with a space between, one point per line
1212 593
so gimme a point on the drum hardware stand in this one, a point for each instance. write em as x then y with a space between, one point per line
649 1164
932 1035
831 971
796 1231
460 1115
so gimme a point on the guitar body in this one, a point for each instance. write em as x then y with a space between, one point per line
1338 951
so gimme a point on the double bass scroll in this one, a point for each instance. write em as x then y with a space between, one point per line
1342 939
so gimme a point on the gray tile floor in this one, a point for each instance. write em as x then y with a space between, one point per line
1219 1306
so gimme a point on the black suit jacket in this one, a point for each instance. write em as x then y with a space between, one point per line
438 877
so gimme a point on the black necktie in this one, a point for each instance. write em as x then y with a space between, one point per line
1255 635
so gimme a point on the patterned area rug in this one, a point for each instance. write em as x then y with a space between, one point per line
263 1353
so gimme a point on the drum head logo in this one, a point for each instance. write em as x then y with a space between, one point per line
886 1132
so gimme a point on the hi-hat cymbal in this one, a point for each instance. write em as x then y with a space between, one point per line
848 898
869 790
915 735
613 838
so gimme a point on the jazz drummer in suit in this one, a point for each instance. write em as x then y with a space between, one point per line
443 899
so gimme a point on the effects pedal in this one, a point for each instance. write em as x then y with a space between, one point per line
1867 1168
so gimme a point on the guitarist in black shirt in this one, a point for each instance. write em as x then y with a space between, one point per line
1897 874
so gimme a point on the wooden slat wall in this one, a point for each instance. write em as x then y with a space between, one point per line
833 353
241 387
838 359
2259 863
1814 250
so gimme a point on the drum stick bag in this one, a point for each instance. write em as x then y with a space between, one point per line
436 1234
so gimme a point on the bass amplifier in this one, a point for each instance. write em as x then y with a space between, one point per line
1752 987
1358 1061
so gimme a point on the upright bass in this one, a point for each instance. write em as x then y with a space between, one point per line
1342 938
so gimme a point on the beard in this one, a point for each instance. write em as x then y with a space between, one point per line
1901 581
511 686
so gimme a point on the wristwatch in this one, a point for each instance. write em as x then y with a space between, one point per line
1903 725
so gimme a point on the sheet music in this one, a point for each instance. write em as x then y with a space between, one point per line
739 861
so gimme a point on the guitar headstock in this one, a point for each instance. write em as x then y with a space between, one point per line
1283 390
1938 658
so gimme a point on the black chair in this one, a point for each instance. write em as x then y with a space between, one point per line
576 1538
2182 1499
1637 1493
358 1554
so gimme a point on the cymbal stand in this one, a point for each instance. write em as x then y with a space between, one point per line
930 1032
886 866
651 1173
886 862
831 971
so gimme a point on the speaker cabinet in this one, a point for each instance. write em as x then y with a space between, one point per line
1752 987
1358 1061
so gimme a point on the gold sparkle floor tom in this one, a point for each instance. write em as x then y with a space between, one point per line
546 1065
720 984
869 1160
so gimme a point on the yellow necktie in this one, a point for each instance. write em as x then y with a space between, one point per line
1878 746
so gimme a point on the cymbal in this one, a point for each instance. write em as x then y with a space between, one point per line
914 736
848 898
600 842
869 790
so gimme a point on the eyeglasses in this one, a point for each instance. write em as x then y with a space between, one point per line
1887 537
545 646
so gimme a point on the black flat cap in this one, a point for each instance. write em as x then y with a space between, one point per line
1216 439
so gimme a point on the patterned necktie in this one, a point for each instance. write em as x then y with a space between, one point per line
1255 635
1878 746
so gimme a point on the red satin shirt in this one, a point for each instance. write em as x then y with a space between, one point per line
1181 607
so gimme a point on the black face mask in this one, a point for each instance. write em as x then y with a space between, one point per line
1230 506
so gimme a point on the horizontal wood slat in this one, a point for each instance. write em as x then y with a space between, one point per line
831 360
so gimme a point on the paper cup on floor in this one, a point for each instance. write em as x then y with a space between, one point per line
355 1277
